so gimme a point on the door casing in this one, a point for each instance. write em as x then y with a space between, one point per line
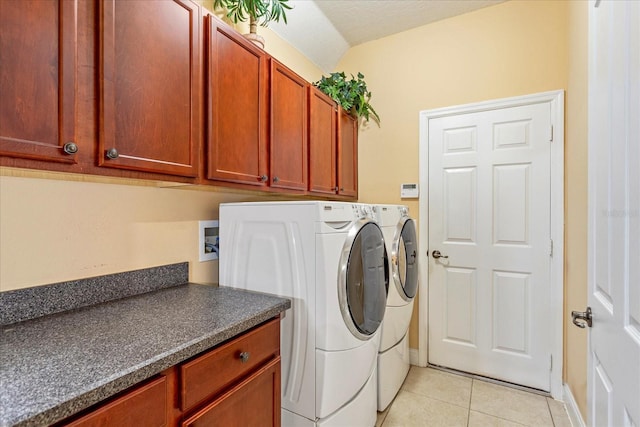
556 102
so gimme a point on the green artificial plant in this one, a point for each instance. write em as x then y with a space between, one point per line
351 94
262 11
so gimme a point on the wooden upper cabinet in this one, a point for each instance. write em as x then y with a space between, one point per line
149 86
38 64
237 108
322 143
347 155
289 161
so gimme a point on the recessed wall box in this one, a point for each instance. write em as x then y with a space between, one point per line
409 191
208 241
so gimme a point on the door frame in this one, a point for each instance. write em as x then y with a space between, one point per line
556 101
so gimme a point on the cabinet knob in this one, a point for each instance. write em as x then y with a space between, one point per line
244 356
276 179
336 189
341 188
112 153
264 178
70 148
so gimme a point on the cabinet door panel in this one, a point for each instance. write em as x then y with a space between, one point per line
253 402
322 143
288 128
150 90
237 107
347 155
38 58
144 405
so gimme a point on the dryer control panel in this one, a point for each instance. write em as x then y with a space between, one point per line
363 211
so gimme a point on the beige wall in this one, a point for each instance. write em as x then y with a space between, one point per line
514 48
56 230
575 340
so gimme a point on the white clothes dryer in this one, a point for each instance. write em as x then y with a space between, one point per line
329 259
401 241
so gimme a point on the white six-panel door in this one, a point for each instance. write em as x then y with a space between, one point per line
489 213
614 214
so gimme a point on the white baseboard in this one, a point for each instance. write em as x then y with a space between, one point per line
413 356
572 407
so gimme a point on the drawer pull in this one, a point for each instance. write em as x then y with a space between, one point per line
244 356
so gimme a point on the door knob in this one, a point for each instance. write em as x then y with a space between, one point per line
70 148
437 254
579 316
112 153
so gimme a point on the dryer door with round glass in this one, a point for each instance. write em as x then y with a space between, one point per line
404 258
364 279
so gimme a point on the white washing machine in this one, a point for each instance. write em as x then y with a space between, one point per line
401 241
329 259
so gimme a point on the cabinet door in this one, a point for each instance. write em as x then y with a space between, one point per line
347 155
322 143
150 103
143 405
237 107
288 128
253 402
38 58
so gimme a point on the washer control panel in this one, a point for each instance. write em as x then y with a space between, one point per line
363 211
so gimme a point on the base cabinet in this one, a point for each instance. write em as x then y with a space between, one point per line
234 384
253 402
144 405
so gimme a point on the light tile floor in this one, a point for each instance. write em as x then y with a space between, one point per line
430 397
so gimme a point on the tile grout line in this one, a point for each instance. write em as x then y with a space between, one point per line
435 399
470 397
470 400
553 422
501 418
480 411
490 380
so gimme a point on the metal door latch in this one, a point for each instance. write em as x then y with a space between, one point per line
579 316
437 254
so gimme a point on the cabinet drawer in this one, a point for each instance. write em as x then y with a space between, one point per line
209 374
145 405
253 402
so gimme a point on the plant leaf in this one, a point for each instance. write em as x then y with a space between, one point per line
351 94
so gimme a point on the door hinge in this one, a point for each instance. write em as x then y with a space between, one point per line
551 248
551 362
551 133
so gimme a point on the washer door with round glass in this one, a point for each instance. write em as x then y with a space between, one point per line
364 279
404 258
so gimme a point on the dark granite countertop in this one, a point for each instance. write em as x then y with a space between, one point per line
56 365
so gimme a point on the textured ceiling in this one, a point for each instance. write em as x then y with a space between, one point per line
323 30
